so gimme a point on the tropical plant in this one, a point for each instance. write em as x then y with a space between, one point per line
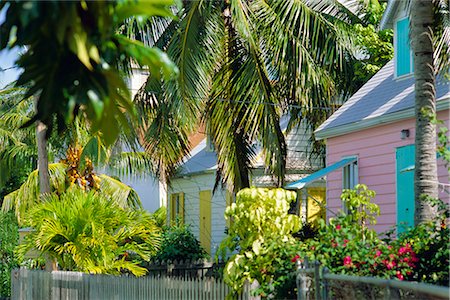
9 238
84 40
88 232
243 64
178 243
70 172
261 232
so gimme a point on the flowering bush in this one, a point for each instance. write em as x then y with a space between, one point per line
431 243
347 246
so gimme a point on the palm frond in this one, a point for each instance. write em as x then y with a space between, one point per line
119 192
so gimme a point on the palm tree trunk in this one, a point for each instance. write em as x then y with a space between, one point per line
44 177
425 178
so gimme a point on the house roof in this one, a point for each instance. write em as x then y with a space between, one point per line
382 99
203 160
387 19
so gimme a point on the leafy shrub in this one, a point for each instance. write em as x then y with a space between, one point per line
9 237
431 242
346 245
262 232
179 243
84 231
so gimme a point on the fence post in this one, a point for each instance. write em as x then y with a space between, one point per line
317 294
303 282
325 271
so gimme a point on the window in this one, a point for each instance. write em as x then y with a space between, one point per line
349 177
177 207
403 54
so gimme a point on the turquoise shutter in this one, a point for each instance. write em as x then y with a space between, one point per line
403 55
405 187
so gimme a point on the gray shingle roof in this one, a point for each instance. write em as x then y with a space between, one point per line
380 96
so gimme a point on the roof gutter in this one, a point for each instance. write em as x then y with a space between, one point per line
388 14
442 104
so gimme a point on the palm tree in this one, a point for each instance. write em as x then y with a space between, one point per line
65 174
430 36
89 232
243 64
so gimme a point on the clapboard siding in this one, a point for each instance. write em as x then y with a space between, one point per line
191 188
375 148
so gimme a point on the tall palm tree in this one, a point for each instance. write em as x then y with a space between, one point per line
243 64
430 36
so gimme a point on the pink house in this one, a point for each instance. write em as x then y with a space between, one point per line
370 139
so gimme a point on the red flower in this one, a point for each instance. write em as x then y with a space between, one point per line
347 261
378 253
295 258
345 242
400 275
402 250
390 264
338 227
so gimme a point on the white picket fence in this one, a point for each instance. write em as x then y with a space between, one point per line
37 285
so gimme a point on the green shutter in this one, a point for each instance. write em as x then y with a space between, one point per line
403 55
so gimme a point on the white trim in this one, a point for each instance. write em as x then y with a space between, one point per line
442 104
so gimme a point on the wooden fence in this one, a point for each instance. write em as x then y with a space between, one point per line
188 268
37 285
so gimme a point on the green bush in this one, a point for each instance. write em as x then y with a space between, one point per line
9 237
179 243
431 242
346 245
87 232
262 232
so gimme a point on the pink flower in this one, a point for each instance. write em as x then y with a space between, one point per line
378 253
402 250
391 256
390 265
345 242
400 275
338 227
347 261
295 258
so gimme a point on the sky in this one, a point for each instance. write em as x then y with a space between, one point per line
8 71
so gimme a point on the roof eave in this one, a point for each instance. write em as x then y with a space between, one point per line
386 20
442 104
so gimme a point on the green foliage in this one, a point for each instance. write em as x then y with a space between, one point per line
72 61
376 48
359 206
261 230
431 242
9 237
346 245
179 243
87 232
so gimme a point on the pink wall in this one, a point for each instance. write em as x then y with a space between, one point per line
375 148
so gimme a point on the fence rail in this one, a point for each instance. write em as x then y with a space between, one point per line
196 268
37 285
316 283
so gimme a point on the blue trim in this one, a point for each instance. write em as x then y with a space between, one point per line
321 173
